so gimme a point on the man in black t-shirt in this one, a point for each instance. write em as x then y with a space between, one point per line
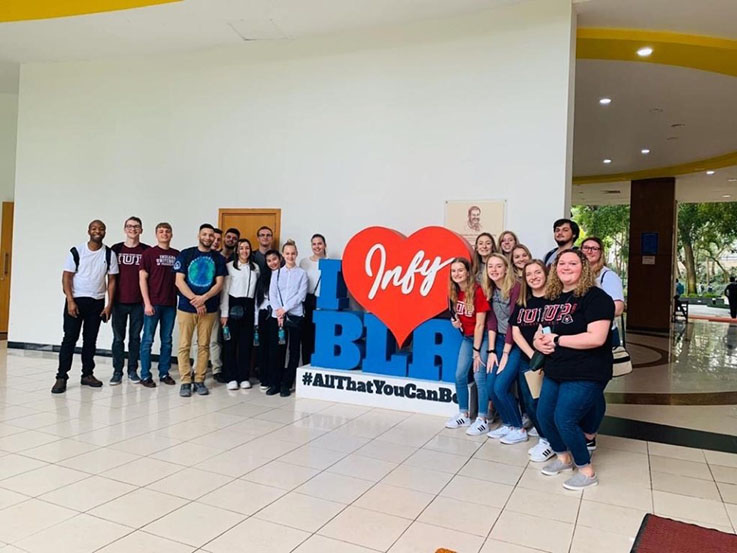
731 292
565 233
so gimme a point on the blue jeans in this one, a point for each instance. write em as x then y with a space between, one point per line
529 403
121 313
465 364
165 315
562 411
500 385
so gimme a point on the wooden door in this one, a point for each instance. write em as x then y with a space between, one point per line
248 221
6 259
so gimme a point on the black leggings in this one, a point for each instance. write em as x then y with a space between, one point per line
237 350
280 375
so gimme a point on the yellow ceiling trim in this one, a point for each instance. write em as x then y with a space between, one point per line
706 53
23 10
726 160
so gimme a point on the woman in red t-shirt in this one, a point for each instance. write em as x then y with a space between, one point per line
468 307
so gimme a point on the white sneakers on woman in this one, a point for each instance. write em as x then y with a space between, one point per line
479 426
246 385
516 436
541 452
457 421
500 432
233 385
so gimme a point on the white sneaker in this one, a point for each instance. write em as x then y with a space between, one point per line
232 385
263 387
480 426
541 452
516 436
457 421
533 432
500 432
526 422
246 385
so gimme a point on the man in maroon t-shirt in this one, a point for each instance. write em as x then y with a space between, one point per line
128 301
159 291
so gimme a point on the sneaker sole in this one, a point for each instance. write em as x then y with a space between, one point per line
512 442
548 473
475 433
116 383
579 488
541 459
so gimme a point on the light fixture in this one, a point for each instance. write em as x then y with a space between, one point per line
710 172
605 101
645 51
732 180
726 195
607 161
645 151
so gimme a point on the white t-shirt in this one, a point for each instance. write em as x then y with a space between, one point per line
312 268
89 279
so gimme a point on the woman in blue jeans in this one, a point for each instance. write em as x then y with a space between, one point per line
468 310
577 341
502 289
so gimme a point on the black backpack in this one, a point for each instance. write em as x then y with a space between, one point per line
75 256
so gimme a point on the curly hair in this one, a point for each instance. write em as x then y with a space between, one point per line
508 281
587 280
469 286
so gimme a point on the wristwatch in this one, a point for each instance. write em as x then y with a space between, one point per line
556 339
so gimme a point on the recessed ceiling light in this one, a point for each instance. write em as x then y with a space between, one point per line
710 172
645 51
732 180
607 161
726 195
645 151
605 101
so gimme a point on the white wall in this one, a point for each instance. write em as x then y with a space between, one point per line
8 128
340 132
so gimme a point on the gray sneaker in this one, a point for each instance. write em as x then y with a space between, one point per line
201 389
580 481
133 377
116 379
185 390
556 467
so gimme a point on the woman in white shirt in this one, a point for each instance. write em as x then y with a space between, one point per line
287 292
311 265
237 315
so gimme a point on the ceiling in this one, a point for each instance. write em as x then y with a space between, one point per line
700 101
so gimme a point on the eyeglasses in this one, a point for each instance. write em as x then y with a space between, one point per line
591 248
132 226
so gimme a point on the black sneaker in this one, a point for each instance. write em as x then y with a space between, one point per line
285 392
60 386
201 389
591 444
148 383
90 380
167 380
272 391
218 377
185 390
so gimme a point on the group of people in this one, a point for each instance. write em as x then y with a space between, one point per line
537 345
516 314
236 300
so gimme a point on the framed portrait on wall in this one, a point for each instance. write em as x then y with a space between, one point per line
469 218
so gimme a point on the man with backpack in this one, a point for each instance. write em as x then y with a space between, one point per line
89 272
128 304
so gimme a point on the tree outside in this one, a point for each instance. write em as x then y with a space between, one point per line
707 241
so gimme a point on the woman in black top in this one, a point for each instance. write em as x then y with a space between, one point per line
578 366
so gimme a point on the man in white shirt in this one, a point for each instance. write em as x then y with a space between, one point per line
89 272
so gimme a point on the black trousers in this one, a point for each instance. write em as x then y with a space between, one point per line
89 319
271 354
237 350
733 308
308 330
282 376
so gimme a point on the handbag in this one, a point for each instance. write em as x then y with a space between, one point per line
622 362
293 321
537 361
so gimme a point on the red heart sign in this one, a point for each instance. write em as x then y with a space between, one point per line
402 280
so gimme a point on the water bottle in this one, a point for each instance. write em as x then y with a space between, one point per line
256 340
226 333
282 336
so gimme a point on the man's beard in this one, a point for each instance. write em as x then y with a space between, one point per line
562 242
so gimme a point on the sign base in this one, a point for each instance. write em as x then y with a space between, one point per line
375 390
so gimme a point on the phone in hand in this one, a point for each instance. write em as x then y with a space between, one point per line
104 317
545 330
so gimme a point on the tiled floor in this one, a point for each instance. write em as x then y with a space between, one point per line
127 469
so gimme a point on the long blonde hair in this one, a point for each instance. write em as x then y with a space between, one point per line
469 286
478 263
525 291
520 273
507 283
587 280
501 237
